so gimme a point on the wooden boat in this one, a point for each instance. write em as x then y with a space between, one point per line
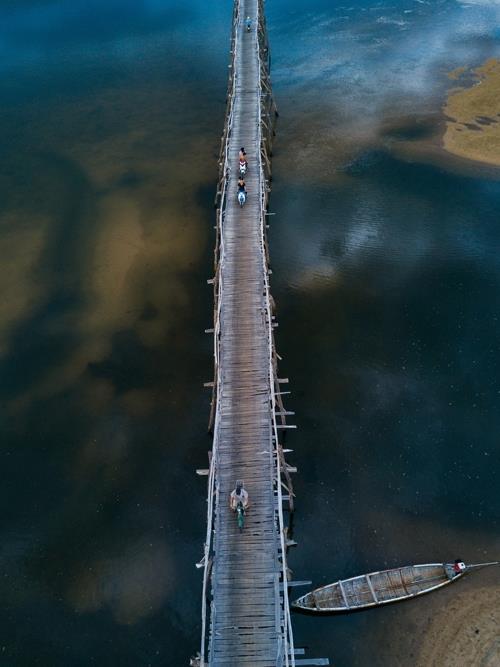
378 588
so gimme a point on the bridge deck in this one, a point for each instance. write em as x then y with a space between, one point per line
245 610
247 615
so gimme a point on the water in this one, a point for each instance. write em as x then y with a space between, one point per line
385 273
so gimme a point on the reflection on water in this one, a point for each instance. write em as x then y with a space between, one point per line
386 279
105 246
134 584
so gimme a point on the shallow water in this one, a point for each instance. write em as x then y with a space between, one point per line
385 273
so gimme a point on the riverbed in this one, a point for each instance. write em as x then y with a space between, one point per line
385 275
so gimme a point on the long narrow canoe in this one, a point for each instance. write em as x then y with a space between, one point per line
378 588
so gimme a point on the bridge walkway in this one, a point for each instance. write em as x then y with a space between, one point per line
247 613
245 610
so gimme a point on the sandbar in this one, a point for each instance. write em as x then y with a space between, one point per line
473 116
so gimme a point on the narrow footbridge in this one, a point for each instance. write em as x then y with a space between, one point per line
245 608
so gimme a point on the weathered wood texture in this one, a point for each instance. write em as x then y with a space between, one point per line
383 587
246 617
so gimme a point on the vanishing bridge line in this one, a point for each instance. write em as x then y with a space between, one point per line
245 607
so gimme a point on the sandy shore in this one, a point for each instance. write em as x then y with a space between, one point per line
473 116
456 627
466 633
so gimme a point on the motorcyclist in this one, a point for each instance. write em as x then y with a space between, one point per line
248 23
239 495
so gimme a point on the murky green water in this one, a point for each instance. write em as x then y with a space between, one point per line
385 273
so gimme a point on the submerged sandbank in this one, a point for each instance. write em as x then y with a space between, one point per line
473 116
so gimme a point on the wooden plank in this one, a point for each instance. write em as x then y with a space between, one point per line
344 596
370 586
403 581
297 583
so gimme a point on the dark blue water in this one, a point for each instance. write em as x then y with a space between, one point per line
386 276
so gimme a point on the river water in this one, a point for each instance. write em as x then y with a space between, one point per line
386 277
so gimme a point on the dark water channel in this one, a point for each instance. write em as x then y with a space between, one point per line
386 277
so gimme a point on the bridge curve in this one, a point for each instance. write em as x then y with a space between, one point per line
245 609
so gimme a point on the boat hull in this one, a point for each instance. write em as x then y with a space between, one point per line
378 588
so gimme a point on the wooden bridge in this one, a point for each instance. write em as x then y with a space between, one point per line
245 607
